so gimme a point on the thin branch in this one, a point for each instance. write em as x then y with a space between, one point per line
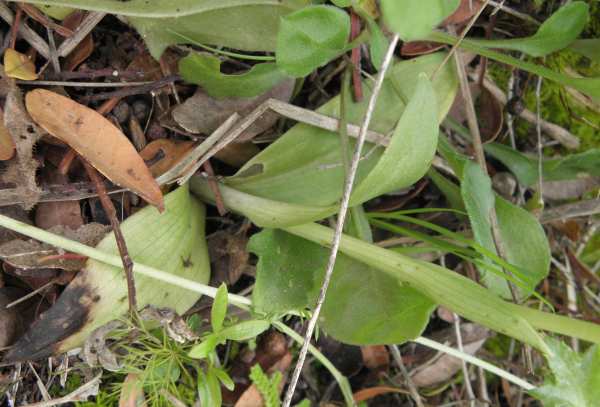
86 26
109 208
26 32
465 369
539 146
340 221
395 350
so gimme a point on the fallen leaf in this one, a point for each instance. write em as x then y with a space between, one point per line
67 213
132 392
84 49
174 325
446 366
372 392
162 154
96 139
569 189
414 48
7 145
375 356
97 353
228 255
18 66
30 254
22 169
465 11
216 111
490 113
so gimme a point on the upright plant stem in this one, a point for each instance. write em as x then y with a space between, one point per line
340 221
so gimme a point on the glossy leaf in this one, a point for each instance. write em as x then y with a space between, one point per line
173 241
205 70
415 19
96 139
576 378
303 168
18 66
363 306
556 33
219 309
311 37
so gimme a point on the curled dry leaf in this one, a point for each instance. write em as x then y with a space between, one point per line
96 139
30 254
216 111
176 327
19 66
162 154
95 349
22 169
7 145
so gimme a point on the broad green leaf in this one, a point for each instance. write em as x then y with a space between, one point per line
204 348
363 306
411 149
378 43
172 241
575 378
214 387
219 309
303 168
525 167
442 286
590 48
209 389
244 330
556 33
448 188
205 70
311 37
523 238
249 25
57 12
415 19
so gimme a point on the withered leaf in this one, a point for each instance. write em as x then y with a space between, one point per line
162 154
19 66
7 145
22 169
96 139
202 113
30 254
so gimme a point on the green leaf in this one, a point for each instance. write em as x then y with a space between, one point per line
173 241
378 43
525 168
209 389
342 3
590 48
576 380
249 25
245 330
268 387
204 348
303 169
311 37
219 308
415 19
416 133
363 306
57 12
556 33
524 241
205 70
224 378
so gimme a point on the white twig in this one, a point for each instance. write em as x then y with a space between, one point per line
465 369
395 350
538 129
340 221
87 25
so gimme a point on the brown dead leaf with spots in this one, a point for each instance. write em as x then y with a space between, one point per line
162 154
21 169
96 139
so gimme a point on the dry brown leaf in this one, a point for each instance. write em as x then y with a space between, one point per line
96 139
490 113
203 114
161 155
465 11
375 356
84 49
414 48
7 145
371 392
19 66
22 169
132 392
